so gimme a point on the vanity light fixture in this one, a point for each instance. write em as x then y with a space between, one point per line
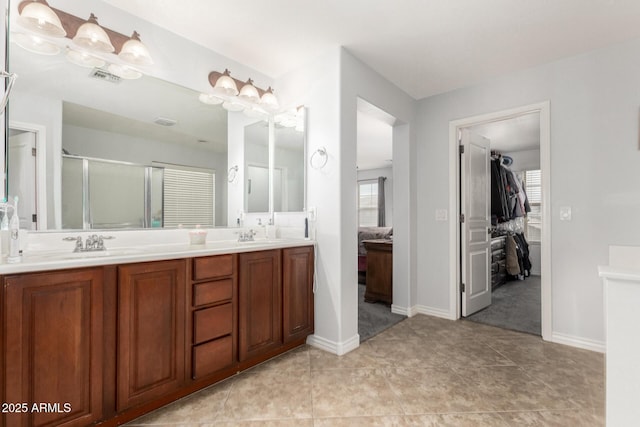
92 36
252 100
84 59
207 98
233 105
35 44
225 85
135 52
38 17
268 101
93 45
249 93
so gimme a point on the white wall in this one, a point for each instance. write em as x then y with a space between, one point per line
330 87
388 189
594 102
317 85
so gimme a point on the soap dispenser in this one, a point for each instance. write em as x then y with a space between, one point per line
14 234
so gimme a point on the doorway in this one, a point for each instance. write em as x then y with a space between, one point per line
27 173
489 124
375 220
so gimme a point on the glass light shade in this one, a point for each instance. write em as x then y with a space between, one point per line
269 101
35 44
39 17
84 59
249 92
207 98
225 85
124 72
255 112
233 106
135 52
90 35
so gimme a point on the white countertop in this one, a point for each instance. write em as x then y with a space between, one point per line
624 264
619 273
43 260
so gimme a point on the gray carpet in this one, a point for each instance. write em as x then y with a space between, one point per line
374 318
514 305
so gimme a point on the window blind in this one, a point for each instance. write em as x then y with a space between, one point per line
368 203
189 198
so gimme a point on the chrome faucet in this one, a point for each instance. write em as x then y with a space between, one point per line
92 244
246 235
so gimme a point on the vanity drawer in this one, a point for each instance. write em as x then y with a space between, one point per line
212 292
212 356
214 322
212 266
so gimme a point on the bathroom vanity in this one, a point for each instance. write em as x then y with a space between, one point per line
103 340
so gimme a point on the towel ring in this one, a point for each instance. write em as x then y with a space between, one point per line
322 152
233 171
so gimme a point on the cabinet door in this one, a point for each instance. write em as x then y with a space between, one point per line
54 347
260 295
297 288
151 330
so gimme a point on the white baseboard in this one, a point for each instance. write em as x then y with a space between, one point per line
579 342
405 311
338 348
436 312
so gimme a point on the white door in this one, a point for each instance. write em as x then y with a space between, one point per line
22 177
257 188
475 206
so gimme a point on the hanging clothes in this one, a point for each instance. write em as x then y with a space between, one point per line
508 198
511 249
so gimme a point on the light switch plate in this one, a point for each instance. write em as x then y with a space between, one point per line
565 213
441 214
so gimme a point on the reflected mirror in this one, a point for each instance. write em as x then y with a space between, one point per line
289 165
256 167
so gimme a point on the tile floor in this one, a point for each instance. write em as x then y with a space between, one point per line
424 371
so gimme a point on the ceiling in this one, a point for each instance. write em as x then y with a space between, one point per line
515 134
423 47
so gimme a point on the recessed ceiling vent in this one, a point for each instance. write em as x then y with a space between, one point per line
163 121
100 74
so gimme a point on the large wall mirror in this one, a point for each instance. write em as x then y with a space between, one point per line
274 163
143 153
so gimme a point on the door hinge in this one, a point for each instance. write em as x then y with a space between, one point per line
34 218
33 152
461 218
462 287
461 149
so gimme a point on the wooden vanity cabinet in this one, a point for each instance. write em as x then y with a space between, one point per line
54 347
151 331
214 315
117 341
260 311
297 293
